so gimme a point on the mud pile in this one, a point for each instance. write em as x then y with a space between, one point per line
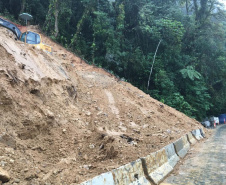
64 121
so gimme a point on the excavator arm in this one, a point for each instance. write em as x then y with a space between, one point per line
11 27
28 37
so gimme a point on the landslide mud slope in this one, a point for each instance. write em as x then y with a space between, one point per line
63 121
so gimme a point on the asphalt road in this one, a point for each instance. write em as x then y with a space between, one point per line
207 164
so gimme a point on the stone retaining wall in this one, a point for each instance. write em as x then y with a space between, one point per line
171 154
191 138
131 173
182 146
197 134
151 169
157 165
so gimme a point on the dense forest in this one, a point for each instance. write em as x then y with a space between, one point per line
174 50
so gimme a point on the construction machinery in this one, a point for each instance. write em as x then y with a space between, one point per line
28 37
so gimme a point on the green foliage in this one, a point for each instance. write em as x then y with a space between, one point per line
121 17
177 101
8 16
122 36
171 29
197 94
190 72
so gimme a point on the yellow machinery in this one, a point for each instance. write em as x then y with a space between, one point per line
34 39
27 37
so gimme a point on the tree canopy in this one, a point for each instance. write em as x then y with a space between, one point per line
121 36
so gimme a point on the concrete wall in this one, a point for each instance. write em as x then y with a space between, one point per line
182 146
191 138
157 165
151 169
131 173
171 154
197 134
103 179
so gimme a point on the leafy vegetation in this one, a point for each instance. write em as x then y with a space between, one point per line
122 35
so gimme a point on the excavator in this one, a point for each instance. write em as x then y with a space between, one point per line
28 37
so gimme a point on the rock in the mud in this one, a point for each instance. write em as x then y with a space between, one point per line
88 113
91 146
49 114
7 140
17 180
4 176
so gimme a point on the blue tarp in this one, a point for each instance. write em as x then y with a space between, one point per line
222 118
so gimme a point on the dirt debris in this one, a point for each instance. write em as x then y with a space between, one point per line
4 176
64 121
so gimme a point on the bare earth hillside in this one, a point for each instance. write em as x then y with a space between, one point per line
63 121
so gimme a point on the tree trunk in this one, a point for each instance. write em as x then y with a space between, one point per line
56 13
79 26
153 63
203 9
187 7
22 6
196 9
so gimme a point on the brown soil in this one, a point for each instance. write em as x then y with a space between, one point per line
64 121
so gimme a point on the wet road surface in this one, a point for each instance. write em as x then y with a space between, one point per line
208 164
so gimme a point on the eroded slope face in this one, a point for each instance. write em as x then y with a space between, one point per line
63 121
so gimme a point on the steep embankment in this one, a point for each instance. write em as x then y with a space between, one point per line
63 121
